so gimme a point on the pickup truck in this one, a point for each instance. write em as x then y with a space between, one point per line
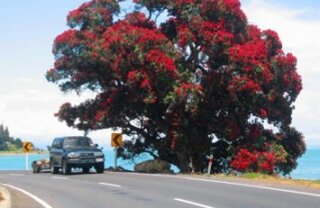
75 152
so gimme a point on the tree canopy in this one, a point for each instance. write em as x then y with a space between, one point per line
200 81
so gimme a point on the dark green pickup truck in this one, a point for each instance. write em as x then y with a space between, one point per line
75 152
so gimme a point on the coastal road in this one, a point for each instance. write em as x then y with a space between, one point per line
130 190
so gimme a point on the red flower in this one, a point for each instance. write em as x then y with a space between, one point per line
133 76
185 88
263 113
185 36
68 36
99 116
240 84
244 160
146 84
161 61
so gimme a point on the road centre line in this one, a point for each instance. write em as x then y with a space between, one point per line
192 203
110 184
16 174
59 178
37 199
255 186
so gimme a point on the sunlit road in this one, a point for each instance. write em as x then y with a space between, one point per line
126 190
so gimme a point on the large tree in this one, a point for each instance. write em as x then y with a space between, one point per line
183 79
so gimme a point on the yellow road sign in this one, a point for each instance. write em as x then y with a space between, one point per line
116 139
26 146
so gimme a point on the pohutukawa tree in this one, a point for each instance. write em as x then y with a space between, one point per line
184 79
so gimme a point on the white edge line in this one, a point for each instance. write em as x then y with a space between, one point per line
255 186
110 184
192 203
234 184
147 174
37 199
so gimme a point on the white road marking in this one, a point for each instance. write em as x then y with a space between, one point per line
255 186
192 203
110 184
151 174
37 199
59 178
16 174
231 183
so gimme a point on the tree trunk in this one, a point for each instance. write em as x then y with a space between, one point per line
183 162
196 163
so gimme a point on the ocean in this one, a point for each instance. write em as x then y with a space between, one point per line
18 162
308 164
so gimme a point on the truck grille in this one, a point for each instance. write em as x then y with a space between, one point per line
86 154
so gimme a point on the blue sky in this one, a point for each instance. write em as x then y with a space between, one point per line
27 31
28 28
311 6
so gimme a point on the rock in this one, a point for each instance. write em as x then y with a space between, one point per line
153 166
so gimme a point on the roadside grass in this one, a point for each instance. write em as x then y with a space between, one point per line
265 179
249 175
279 180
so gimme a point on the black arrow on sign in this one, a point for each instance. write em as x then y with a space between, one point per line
27 146
115 140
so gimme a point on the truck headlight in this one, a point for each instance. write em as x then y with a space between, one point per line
98 154
73 155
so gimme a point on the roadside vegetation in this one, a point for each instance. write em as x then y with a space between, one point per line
265 179
8 143
281 180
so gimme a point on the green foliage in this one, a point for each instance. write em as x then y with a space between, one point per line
7 143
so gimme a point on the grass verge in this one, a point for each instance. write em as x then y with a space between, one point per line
266 179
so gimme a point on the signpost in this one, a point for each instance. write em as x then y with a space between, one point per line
116 142
27 147
210 164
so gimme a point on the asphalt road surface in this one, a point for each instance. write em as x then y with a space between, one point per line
130 190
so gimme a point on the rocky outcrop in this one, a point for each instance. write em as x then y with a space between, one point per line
153 166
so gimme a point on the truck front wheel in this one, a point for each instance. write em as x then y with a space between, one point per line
66 169
99 167
54 170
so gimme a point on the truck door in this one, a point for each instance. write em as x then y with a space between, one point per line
56 152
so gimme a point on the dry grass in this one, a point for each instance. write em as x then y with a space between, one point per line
281 180
266 179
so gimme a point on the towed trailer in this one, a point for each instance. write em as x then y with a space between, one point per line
39 165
